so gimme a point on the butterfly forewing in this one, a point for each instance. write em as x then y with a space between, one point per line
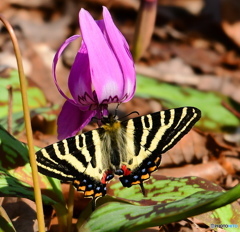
131 148
68 159
152 135
174 124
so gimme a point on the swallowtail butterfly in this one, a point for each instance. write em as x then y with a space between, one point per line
130 149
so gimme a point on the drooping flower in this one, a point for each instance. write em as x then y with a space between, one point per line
102 73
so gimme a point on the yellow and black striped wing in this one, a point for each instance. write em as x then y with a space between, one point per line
76 159
154 134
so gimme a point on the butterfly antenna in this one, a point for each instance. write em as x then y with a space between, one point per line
134 112
143 189
95 118
115 112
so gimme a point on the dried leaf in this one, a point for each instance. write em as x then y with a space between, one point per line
22 212
211 171
191 148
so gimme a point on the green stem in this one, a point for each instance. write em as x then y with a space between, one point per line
62 215
23 85
70 205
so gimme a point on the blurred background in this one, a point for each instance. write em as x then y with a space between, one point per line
193 42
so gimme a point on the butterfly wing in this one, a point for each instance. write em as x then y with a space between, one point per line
151 135
75 159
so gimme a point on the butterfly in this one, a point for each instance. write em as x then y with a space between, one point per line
130 149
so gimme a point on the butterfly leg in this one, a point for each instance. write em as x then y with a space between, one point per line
143 189
94 199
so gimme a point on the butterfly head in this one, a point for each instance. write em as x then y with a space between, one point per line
111 123
108 120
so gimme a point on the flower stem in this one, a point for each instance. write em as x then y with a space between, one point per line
70 205
23 86
144 27
62 215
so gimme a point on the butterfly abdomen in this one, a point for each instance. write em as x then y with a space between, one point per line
113 147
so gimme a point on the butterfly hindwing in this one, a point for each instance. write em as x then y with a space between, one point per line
74 159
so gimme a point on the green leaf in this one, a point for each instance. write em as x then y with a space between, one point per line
36 98
116 216
15 162
16 177
214 115
162 189
12 187
18 125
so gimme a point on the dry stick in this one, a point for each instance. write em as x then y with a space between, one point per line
231 109
10 105
23 85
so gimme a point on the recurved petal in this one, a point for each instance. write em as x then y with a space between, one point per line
71 120
105 71
55 61
121 50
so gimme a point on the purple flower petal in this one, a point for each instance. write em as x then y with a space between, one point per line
121 50
55 60
71 120
104 68
79 82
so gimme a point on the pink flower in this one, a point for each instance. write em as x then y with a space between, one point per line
103 72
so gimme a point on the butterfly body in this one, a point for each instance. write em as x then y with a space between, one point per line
130 149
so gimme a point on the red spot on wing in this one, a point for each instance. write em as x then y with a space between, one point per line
126 171
103 180
106 175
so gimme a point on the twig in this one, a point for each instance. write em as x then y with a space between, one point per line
10 105
231 109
